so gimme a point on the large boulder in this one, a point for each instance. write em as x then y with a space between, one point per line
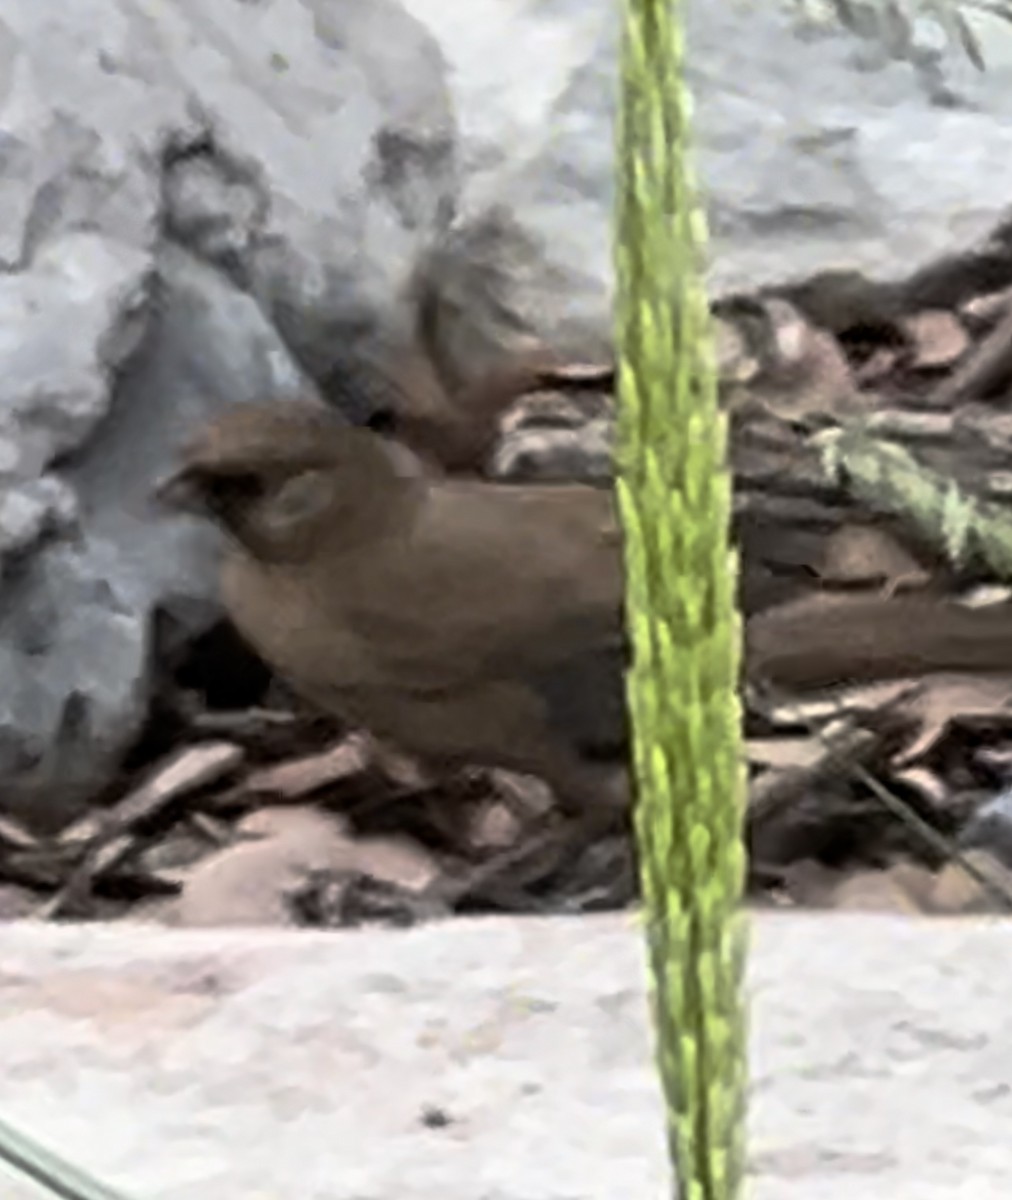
199 207
815 149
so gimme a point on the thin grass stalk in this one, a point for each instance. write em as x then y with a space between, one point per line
674 492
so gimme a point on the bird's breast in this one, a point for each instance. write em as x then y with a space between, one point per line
294 628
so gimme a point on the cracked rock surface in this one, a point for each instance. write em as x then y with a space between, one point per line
814 149
199 208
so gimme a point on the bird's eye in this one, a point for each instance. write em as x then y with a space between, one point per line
300 499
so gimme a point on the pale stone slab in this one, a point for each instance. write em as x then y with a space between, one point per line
228 1065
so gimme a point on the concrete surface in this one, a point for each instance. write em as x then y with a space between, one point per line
216 1065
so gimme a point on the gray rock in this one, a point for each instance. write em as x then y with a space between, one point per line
75 631
321 165
814 149
990 827
200 208
497 1059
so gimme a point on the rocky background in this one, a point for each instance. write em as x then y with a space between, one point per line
209 204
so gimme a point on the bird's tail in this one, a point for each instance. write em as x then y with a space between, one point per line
858 640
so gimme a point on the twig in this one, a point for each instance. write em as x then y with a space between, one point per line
988 366
776 790
108 835
938 841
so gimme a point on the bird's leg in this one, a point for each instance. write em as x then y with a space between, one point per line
592 799
505 724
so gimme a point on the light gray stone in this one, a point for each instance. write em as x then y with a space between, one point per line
990 827
814 149
75 639
202 206
225 1065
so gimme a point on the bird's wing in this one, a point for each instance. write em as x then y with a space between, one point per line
492 580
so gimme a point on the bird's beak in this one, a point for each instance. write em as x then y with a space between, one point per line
179 492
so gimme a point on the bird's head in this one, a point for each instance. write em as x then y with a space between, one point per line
280 478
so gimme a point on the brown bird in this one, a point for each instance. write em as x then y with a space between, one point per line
468 622
455 619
